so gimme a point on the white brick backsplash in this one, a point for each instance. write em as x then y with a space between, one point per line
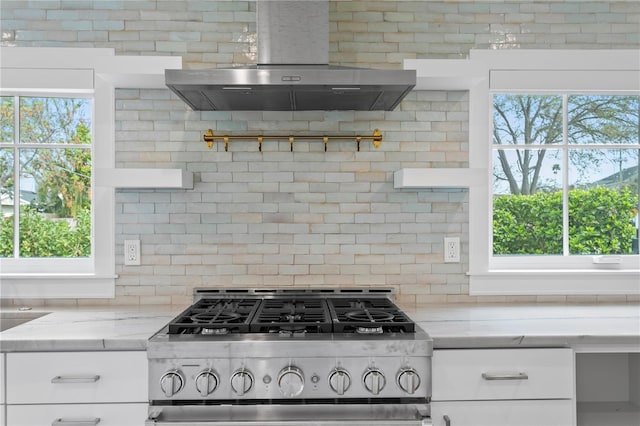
307 217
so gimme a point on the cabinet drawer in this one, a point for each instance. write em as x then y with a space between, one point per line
81 414
504 413
2 414
486 374
51 377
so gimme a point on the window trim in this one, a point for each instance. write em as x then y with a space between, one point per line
621 70
95 70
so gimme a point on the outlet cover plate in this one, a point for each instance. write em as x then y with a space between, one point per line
452 250
132 252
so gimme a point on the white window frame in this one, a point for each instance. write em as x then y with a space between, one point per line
530 71
96 71
543 72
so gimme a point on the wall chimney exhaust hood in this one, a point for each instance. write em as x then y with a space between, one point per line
292 72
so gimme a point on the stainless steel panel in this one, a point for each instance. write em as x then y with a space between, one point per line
296 415
291 88
265 372
293 32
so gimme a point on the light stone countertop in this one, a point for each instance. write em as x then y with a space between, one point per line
451 326
580 326
87 329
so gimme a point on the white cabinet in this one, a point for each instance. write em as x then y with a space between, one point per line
550 412
77 414
72 377
608 389
106 388
515 387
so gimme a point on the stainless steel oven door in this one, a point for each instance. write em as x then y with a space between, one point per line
292 415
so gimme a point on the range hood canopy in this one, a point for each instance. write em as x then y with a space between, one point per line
292 72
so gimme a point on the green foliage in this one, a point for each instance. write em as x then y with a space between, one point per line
528 224
42 237
600 222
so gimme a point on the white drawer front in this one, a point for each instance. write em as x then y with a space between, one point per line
2 414
504 413
52 377
83 414
486 374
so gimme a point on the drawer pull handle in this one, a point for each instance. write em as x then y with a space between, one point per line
507 376
447 420
79 422
75 379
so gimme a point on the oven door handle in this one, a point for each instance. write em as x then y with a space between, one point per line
416 422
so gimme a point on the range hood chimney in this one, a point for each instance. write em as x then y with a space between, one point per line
292 72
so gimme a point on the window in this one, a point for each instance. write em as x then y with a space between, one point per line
56 131
79 93
45 157
556 133
565 175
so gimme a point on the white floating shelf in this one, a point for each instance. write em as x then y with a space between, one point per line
145 178
137 72
444 74
438 178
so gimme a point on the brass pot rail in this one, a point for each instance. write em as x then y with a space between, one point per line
210 138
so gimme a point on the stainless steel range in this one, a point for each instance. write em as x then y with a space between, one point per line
290 357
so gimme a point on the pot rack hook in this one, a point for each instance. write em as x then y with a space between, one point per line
226 143
260 143
291 142
208 138
358 139
326 142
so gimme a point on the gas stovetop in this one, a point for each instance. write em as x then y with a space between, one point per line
291 315
264 345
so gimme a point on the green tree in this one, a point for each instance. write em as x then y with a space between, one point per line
537 120
6 136
62 175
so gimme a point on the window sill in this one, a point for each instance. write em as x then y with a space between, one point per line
548 282
57 286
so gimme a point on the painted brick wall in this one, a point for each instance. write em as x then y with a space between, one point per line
302 218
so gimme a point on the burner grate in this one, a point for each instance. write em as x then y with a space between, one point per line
215 317
292 316
368 316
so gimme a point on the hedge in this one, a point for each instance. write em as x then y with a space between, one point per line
42 237
601 221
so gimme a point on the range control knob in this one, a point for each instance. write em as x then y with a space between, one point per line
374 380
339 380
207 382
408 380
171 382
241 381
291 381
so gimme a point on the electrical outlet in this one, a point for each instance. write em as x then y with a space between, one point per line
132 252
452 250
